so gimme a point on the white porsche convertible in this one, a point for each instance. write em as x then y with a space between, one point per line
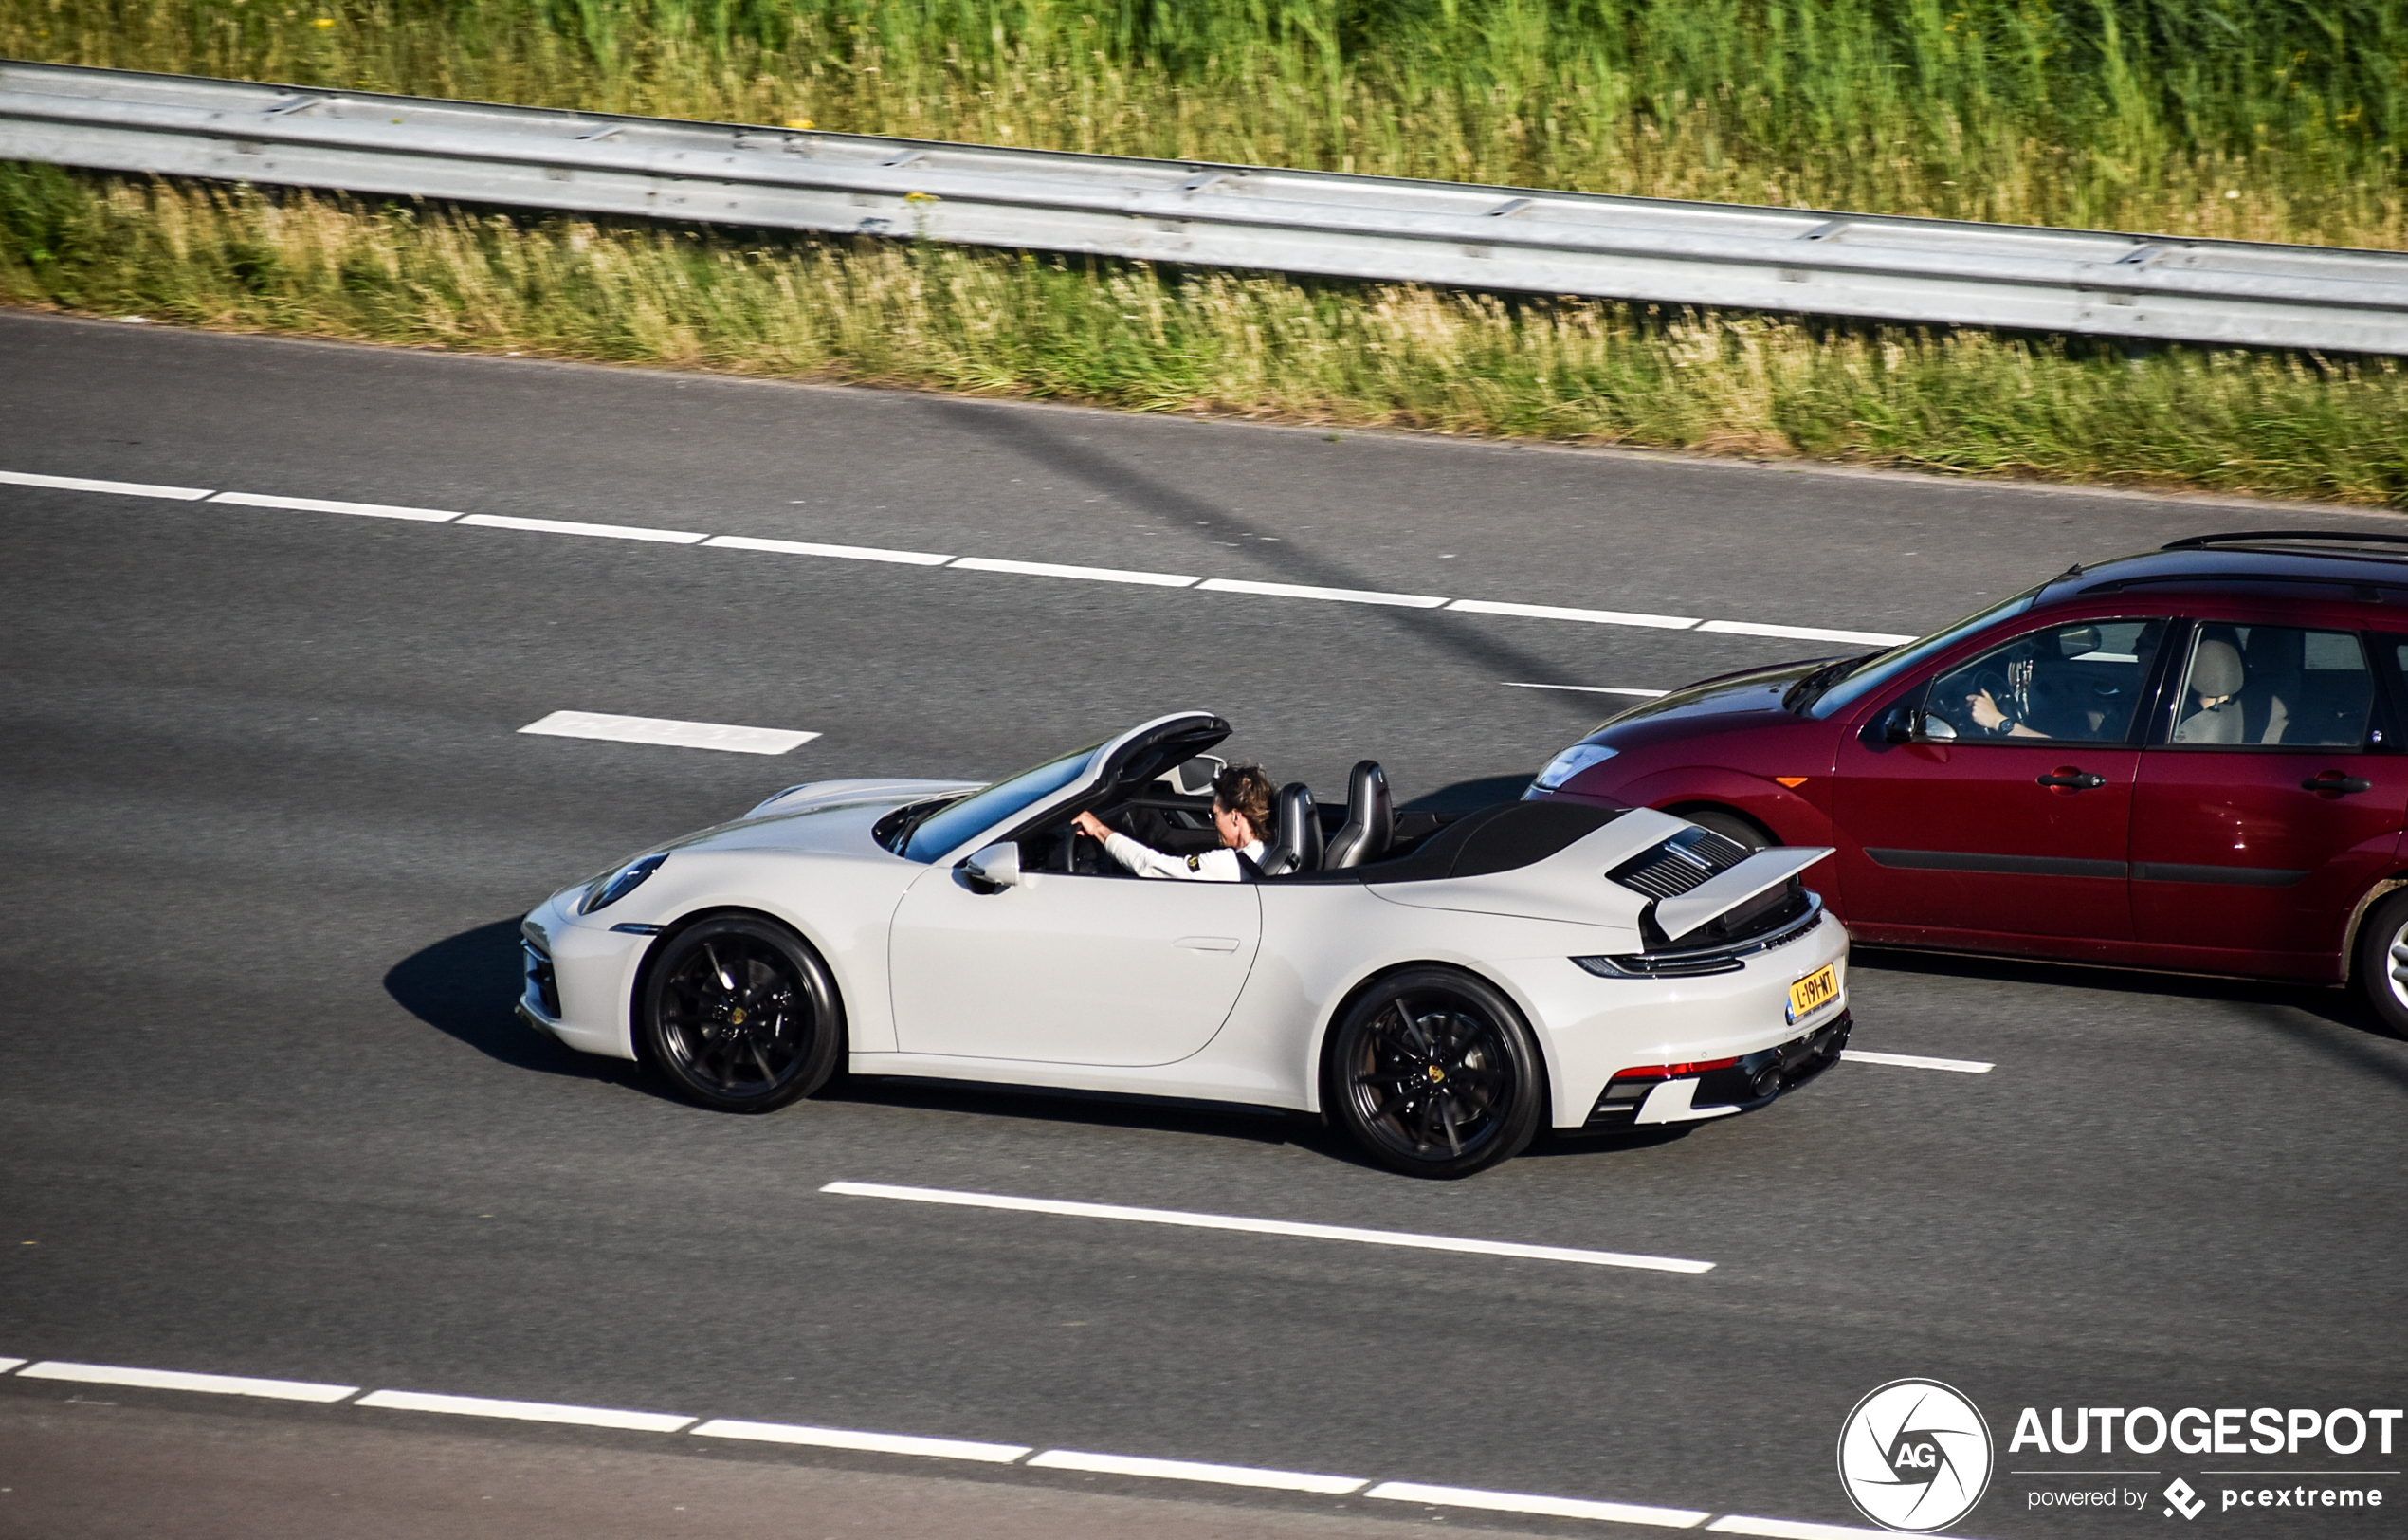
1438 986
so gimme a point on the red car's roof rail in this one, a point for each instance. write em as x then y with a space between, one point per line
2369 544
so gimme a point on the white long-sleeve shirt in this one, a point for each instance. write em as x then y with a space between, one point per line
1210 866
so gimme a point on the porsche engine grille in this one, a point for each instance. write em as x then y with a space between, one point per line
1681 863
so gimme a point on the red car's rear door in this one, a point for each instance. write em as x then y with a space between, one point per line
2272 801
2008 815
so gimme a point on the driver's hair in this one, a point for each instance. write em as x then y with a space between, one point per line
1243 788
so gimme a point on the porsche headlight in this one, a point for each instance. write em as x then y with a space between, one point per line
611 886
1571 762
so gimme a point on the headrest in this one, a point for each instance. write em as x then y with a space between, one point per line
2216 669
1296 846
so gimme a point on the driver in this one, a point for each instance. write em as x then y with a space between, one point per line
1241 810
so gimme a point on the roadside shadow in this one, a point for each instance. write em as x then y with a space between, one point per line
1468 796
467 987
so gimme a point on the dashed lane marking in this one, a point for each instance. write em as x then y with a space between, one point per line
570 526
211 1384
320 504
1591 690
838 553
83 483
1056 569
1916 1062
966 564
1558 611
666 733
1531 1502
1265 1227
882 1443
1188 1470
523 1411
962 1449
1334 595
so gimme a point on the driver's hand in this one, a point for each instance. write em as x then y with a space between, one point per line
1092 826
1986 714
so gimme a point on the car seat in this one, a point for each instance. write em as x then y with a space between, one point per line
1297 847
1371 820
2215 670
2272 661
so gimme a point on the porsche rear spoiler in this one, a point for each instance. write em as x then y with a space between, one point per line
1719 895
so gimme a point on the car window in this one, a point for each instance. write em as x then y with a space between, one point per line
948 828
2253 686
2078 683
1872 672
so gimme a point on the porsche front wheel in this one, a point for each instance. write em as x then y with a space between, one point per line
742 1016
1435 1074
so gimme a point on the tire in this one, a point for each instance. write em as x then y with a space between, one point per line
742 1016
2380 935
1732 826
1434 1074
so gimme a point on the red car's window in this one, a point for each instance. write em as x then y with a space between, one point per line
2274 685
2078 683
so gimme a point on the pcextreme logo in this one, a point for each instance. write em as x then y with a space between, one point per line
1915 1456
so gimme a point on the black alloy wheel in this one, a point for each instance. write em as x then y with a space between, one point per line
1435 1074
2380 966
742 1016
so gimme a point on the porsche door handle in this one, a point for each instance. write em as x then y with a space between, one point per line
1209 944
2337 784
2070 780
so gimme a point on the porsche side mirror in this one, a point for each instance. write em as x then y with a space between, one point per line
994 868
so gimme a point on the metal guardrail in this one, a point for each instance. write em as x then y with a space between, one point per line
1720 255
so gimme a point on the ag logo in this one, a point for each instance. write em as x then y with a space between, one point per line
1914 1456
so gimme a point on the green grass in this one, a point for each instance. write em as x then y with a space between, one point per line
2276 120
1152 338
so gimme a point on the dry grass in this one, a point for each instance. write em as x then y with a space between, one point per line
1149 339
2281 119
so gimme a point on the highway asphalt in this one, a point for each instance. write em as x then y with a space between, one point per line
264 1109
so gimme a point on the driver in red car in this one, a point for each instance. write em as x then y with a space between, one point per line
1241 810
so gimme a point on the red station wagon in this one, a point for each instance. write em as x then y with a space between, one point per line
2189 760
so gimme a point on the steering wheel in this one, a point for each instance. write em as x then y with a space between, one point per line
1993 684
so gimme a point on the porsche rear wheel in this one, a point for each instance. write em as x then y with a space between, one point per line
742 1016
1435 1074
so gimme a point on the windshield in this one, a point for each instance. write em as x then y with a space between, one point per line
948 827
1870 673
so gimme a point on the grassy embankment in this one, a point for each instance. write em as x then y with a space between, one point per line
2284 122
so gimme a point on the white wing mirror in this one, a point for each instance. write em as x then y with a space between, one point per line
995 867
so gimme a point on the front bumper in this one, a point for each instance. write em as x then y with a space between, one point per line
1638 1097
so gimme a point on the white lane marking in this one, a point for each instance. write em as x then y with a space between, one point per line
1802 633
523 1411
1558 611
1055 569
865 553
1338 596
1790 1528
320 504
1188 1470
883 1443
567 527
1591 690
1265 1227
84 483
667 733
841 553
214 1384
1526 1502
1916 1062
8 1363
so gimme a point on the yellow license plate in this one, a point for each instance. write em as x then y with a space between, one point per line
1812 993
